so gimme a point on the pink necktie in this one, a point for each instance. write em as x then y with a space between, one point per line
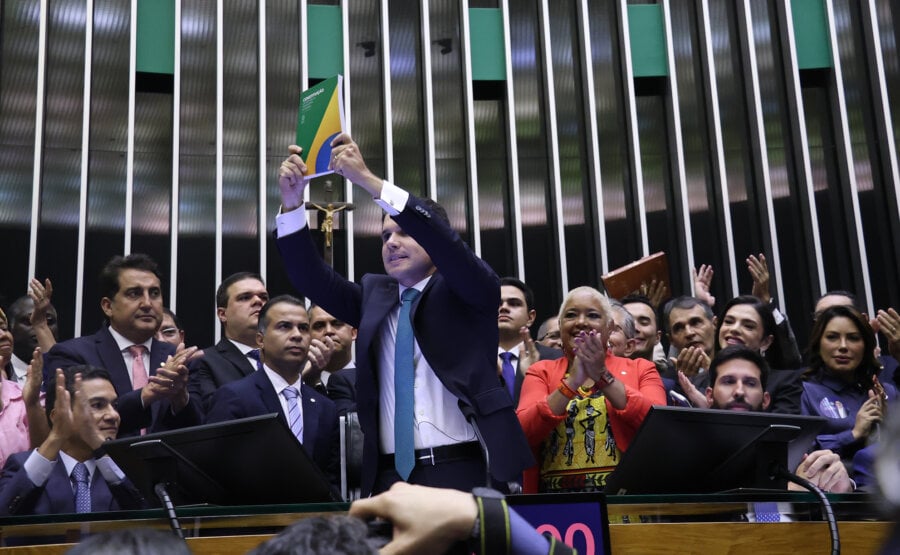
138 370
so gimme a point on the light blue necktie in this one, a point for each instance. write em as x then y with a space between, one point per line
509 373
82 488
404 396
294 419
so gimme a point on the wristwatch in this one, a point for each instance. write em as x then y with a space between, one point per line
490 533
606 379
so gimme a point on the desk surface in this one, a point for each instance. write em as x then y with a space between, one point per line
645 525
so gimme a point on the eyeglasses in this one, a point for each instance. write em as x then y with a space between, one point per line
169 332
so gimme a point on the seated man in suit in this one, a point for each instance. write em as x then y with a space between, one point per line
62 475
426 365
738 377
339 375
517 350
283 341
150 376
239 299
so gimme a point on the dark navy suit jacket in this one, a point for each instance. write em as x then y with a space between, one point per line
455 325
220 364
342 390
19 496
254 395
102 350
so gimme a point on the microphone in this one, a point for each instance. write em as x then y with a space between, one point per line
469 413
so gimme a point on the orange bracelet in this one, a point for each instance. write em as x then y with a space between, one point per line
567 391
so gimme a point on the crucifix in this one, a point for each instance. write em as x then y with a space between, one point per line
326 225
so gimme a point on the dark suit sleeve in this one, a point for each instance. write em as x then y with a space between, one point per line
342 390
332 467
785 387
790 351
18 494
314 279
127 496
225 405
201 384
190 415
62 355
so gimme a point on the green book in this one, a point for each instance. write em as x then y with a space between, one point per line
320 120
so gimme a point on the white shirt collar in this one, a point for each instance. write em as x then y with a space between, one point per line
123 342
418 287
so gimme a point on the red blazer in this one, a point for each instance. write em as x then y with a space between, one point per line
643 388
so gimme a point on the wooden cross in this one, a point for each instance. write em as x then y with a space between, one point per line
326 224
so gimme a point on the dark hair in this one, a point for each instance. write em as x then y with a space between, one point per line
109 276
869 365
685 302
520 285
642 299
433 206
336 534
774 354
174 318
87 372
222 291
131 541
738 352
264 313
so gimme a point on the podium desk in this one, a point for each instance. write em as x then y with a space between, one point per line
646 525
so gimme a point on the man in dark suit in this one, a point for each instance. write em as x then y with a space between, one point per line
150 376
339 375
62 475
446 365
283 340
239 299
514 320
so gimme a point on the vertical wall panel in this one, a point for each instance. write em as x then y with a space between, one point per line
18 103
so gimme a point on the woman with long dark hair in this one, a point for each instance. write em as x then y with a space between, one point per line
841 381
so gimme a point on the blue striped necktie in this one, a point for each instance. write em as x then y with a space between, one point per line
294 419
404 395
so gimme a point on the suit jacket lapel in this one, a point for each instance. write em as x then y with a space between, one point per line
233 355
58 490
310 420
101 496
114 362
267 394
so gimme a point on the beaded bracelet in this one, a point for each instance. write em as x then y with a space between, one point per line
567 391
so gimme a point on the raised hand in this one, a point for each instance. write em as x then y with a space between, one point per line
528 353
292 180
759 270
41 294
703 283
656 291
888 323
690 360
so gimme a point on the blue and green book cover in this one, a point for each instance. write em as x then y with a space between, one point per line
320 120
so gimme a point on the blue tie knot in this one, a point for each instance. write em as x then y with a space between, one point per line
80 473
254 354
289 393
507 356
409 295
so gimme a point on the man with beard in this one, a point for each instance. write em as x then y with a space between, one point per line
738 376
